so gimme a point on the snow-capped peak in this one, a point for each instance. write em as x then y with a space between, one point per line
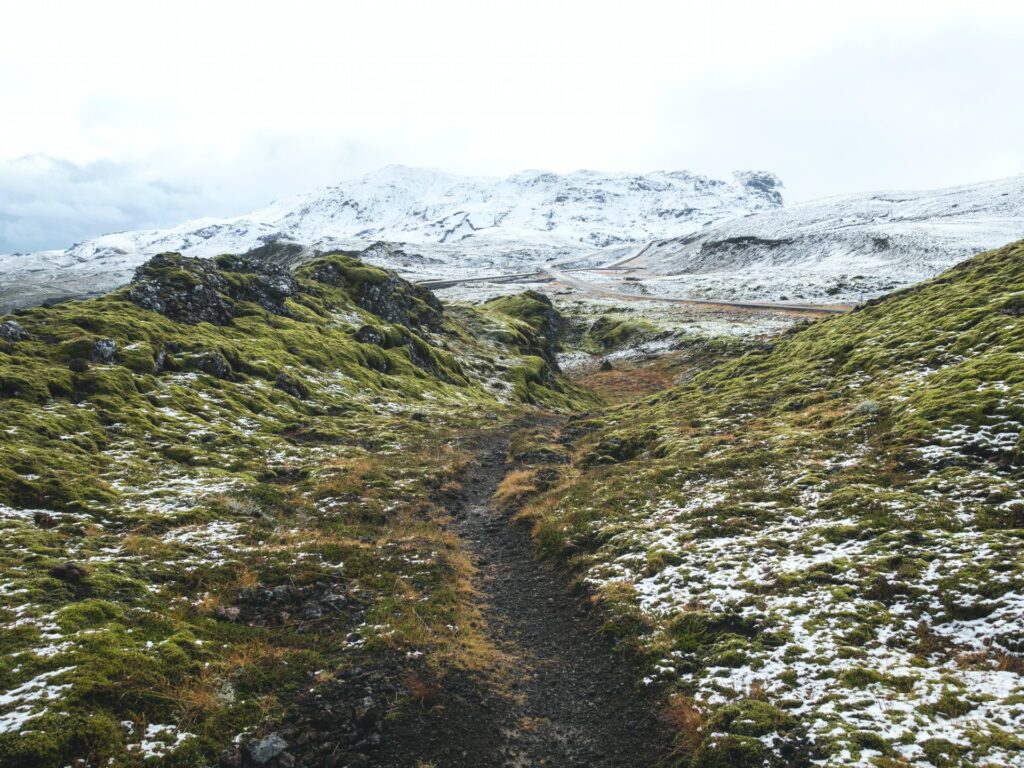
477 221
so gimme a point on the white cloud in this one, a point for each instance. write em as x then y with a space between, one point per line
252 101
46 202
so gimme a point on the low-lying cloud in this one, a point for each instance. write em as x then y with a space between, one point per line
47 202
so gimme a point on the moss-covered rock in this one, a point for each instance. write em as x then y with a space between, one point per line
379 291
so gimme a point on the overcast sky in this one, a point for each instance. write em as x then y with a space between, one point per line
124 115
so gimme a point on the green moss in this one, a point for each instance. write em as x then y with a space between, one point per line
730 752
942 753
180 475
750 718
611 334
870 433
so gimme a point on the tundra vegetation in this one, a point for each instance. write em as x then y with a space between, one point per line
818 545
223 494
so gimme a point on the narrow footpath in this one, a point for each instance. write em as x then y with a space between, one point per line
575 703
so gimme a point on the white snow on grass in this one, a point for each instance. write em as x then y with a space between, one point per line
829 623
27 701
156 740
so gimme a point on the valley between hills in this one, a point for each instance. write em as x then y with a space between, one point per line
287 507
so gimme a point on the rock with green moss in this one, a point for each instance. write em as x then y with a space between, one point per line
191 290
722 751
12 330
538 312
379 291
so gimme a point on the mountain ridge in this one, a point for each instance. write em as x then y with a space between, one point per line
494 222
845 247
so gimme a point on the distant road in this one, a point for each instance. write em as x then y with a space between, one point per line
549 271
824 309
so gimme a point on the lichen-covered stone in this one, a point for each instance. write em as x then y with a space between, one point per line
103 351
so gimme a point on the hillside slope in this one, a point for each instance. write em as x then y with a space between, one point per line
820 546
454 222
841 249
221 508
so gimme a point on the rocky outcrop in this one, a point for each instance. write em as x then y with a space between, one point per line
213 364
367 334
537 311
190 290
381 292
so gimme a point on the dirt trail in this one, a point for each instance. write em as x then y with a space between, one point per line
578 705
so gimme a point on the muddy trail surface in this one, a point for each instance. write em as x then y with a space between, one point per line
574 702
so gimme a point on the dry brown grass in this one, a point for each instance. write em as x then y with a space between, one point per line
1004 662
197 697
757 691
621 385
1010 662
688 721
516 486
527 724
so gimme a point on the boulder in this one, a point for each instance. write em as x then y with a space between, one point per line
213 364
11 330
103 351
367 334
292 386
69 571
381 292
262 751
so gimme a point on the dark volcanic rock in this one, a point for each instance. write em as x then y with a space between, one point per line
213 364
10 330
103 351
367 334
44 519
68 571
190 290
291 386
264 750
264 283
183 289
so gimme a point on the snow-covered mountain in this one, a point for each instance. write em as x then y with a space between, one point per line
450 223
840 248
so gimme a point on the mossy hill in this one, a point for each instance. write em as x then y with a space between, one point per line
819 546
221 506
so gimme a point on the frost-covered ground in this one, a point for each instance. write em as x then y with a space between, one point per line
846 656
840 249
811 283
605 330
819 545
187 556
